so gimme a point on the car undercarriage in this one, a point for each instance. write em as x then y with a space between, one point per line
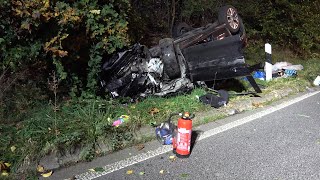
195 56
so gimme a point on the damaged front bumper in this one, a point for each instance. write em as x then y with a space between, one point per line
135 73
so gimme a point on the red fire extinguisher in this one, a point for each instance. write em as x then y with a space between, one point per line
182 136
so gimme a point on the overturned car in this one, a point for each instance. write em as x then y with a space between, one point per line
195 56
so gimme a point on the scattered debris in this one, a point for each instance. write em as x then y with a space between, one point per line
40 168
290 73
214 100
44 172
98 152
279 65
141 173
231 112
257 104
139 147
259 75
153 123
129 171
97 169
164 132
285 69
172 158
297 67
120 120
161 171
316 82
47 174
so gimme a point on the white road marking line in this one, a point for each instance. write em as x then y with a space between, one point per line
302 115
164 149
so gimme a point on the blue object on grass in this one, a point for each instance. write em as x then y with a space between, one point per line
259 75
289 72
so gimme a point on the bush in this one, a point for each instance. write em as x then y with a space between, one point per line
289 24
68 36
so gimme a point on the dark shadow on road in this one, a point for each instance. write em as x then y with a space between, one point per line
194 137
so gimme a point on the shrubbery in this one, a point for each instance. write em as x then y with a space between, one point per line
71 36
288 24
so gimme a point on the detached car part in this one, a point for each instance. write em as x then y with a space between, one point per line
209 53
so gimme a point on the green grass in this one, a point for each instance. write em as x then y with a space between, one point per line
38 130
81 124
210 118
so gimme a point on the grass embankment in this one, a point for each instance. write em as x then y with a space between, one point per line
47 128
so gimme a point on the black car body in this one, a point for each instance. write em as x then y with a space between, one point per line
203 54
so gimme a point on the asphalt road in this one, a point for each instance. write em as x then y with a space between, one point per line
282 144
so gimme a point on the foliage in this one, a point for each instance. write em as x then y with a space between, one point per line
200 12
70 35
311 69
36 37
284 23
151 20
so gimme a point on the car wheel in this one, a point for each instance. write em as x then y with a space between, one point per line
170 65
180 29
229 15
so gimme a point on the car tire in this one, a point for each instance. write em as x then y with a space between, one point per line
170 64
180 28
229 15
